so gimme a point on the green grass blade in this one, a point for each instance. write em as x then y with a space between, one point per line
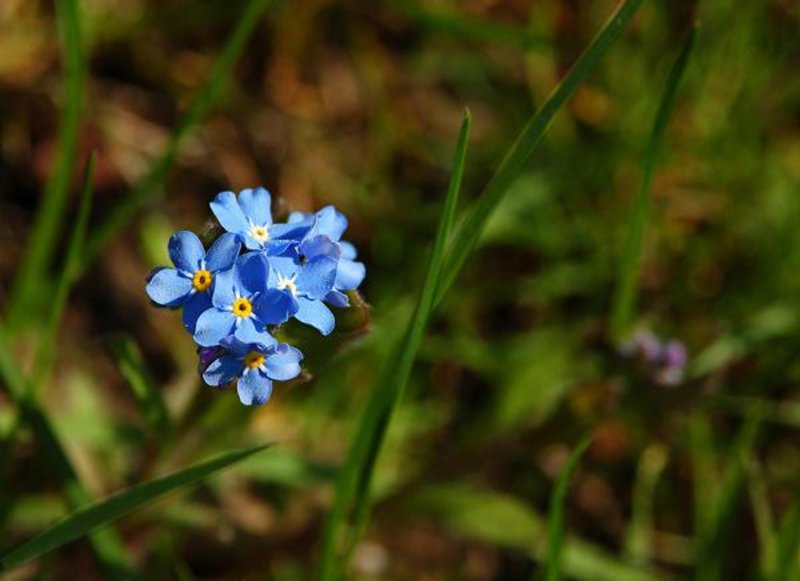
51 210
711 552
68 276
353 482
209 94
103 512
147 395
787 546
514 162
556 524
625 297
762 516
108 547
638 538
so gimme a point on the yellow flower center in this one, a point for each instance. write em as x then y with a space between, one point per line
260 233
254 360
242 308
202 280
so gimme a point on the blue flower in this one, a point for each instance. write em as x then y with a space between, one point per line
296 290
191 282
255 365
324 238
250 218
234 309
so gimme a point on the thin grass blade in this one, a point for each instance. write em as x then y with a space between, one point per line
354 480
469 233
148 397
639 536
149 186
625 297
710 551
69 275
556 518
107 546
106 511
47 224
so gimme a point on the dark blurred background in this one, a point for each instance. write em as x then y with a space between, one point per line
358 105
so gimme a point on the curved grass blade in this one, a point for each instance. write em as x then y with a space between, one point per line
209 94
469 232
625 297
69 275
555 524
110 509
147 396
51 210
354 479
638 538
106 544
710 550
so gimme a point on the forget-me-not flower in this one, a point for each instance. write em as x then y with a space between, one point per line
190 283
255 365
330 224
234 306
296 290
249 217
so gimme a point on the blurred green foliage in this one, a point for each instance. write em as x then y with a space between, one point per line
359 105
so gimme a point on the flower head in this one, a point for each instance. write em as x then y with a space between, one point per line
250 218
255 366
296 290
324 238
190 284
234 305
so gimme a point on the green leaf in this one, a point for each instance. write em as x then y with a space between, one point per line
555 524
103 512
638 538
355 478
47 226
470 231
149 186
624 299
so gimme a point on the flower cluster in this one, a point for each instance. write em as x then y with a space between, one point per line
663 361
257 275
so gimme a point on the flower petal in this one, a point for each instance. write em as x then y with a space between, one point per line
337 299
250 331
226 208
331 223
213 326
316 278
253 272
223 370
186 251
349 274
254 388
316 314
296 217
320 246
281 248
284 364
195 306
223 252
274 306
283 267
223 293
348 250
293 230
256 205
168 287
